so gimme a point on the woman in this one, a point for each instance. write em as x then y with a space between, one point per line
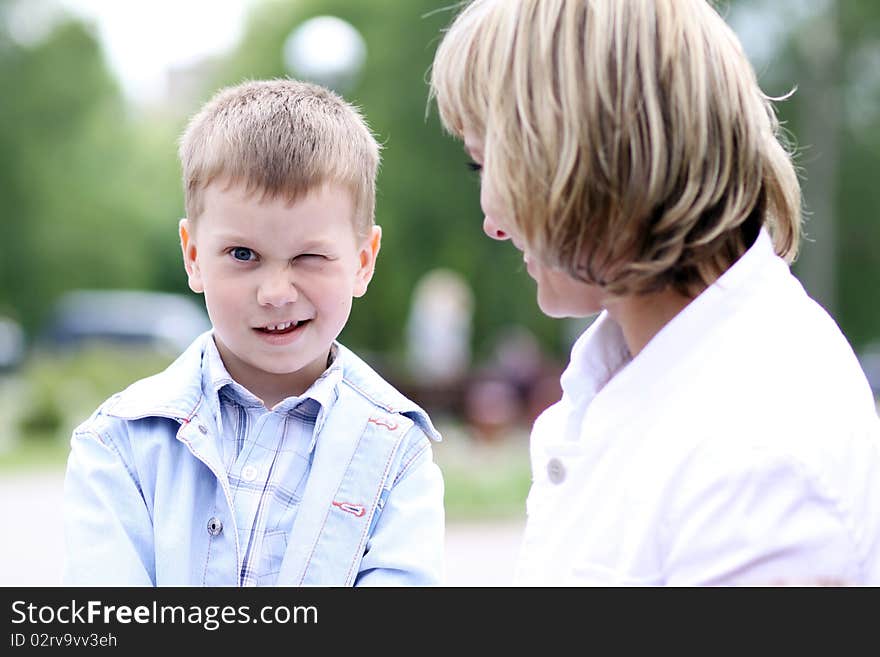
715 426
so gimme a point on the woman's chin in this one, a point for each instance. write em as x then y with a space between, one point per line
552 308
567 308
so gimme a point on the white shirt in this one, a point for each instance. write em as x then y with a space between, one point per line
741 446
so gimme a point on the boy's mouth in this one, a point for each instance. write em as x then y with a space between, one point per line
281 329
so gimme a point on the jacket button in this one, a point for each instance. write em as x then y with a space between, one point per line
556 471
203 428
215 526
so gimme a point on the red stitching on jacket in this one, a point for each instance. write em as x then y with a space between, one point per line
388 424
357 510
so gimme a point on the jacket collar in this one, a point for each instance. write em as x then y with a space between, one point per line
177 391
364 379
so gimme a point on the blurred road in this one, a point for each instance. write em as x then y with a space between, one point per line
478 554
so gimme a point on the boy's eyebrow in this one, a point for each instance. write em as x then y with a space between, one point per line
307 245
231 237
314 244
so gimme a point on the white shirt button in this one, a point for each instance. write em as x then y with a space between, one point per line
249 473
556 471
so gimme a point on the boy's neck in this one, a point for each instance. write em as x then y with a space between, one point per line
269 387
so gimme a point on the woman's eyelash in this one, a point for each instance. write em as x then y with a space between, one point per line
473 166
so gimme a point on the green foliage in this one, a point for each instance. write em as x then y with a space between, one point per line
858 195
71 179
56 392
851 137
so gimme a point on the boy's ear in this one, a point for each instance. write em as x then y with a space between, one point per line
368 252
190 260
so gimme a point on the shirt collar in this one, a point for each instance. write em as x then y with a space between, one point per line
218 385
596 356
600 353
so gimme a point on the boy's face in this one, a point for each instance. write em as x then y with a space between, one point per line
559 295
278 281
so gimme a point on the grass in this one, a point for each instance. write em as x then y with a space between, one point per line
35 455
42 402
484 480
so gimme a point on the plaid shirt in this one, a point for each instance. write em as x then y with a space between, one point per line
268 456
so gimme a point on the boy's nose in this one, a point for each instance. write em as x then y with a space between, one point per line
277 289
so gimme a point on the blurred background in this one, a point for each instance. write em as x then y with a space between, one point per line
94 94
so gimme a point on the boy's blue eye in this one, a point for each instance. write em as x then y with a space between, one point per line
242 254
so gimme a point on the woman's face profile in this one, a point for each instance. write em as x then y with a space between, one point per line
559 295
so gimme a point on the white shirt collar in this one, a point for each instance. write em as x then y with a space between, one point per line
601 353
324 390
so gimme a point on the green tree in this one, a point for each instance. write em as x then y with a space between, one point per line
81 203
829 54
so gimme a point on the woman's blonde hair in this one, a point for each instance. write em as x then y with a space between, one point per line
628 139
280 138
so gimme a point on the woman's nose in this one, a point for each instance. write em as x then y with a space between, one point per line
277 289
492 230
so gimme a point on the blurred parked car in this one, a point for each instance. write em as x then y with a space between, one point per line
11 344
159 320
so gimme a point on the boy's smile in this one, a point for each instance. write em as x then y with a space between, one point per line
278 280
283 333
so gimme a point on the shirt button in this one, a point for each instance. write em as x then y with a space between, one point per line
248 473
215 526
556 471
203 428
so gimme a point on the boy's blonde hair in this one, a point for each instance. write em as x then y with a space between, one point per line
280 138
629 139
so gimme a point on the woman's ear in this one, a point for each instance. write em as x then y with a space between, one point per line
368 252
190 256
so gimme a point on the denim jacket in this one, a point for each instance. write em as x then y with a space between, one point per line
147 501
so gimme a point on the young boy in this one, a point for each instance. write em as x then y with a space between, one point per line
266 454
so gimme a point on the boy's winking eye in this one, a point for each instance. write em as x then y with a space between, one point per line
245 254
